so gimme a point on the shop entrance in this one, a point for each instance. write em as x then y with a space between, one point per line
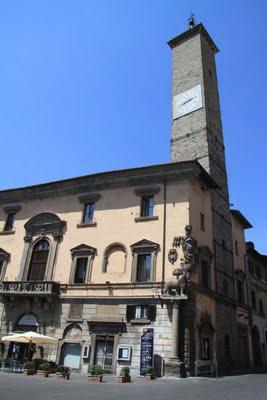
104 352
71 355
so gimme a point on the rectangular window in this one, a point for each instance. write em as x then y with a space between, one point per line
9 222
80 270
88 212
147 206
202 222
236 248
141 312
205 274
143 268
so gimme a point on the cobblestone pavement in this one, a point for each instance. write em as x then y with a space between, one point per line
244 387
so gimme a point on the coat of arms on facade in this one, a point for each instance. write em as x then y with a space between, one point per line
183 273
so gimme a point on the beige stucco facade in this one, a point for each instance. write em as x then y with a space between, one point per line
110 287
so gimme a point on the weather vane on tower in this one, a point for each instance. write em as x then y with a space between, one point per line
191 21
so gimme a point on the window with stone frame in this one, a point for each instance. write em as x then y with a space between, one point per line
147 201
11 211
88 213
39 260
143 272
9 224
147 206
80 270
82 260
144 261
139 313
89 204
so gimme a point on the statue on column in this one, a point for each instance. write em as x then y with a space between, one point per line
182 274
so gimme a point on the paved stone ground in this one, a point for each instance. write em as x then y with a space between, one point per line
245 387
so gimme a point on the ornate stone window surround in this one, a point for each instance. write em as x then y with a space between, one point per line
87 199
107 252
4 259
145 247
10 209
42 226
145 191
82 251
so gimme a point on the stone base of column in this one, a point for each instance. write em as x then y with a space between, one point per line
175 367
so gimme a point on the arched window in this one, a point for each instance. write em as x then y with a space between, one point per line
28 322
115 259
38 261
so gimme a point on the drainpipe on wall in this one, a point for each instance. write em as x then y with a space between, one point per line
164 233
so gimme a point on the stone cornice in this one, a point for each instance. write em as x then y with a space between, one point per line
198 29
155 174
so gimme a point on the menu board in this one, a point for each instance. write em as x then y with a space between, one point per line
146 359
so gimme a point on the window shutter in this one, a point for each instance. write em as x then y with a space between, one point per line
76 311
152 312
130 312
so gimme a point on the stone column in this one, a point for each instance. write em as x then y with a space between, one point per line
174 366
175 331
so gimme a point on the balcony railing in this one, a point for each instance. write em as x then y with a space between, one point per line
42 288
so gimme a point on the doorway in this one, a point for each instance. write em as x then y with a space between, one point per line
104 352
71 355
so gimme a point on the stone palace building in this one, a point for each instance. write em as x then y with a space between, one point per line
143 266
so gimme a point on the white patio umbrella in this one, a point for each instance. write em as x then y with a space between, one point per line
29 337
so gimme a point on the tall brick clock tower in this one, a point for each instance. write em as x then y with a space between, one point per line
197 135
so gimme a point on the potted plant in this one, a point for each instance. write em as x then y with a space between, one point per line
29 368
124 375
63 372
53 367
150 373
95 373
43 369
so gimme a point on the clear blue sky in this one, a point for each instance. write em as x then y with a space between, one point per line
86 87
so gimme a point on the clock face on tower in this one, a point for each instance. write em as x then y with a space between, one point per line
186 102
